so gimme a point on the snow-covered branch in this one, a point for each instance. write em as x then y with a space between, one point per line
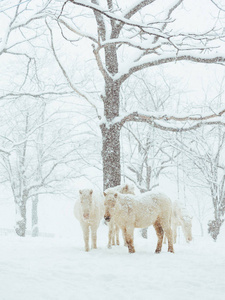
19 20
113 16
160 121
167 58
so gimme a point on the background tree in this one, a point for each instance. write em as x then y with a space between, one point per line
146 153
125 43
205 151
43 160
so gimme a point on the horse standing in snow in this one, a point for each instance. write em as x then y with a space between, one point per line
180 217
113 227
88 210
130 211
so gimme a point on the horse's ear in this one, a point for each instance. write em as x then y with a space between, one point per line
104 193
126 187
115 195
91 192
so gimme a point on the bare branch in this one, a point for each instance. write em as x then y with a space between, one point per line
132 11
67 76
112 16
219 7
76 31
138 117
171 10
173 58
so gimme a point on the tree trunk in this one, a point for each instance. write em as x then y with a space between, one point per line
21 218
214 228
35 229
111 135
215 225
111 156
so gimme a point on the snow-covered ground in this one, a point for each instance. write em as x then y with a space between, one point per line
58 268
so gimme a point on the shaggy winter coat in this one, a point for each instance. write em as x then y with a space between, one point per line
181 218
89 211
113 227
130 211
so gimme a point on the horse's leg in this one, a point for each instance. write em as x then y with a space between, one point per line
159 232
164 239
174 229
184 232
94 236
123 234
169 234
110 224
129 238
124 239
85 228
117 230
113 233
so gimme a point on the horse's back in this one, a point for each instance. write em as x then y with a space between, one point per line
152 206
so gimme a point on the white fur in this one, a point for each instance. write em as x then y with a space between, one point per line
130 211
113 227
89 211
180 217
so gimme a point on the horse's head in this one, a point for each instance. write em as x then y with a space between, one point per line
86 202
109 203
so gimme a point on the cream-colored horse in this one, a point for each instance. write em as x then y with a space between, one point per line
89 211
181 218
130 211
113 227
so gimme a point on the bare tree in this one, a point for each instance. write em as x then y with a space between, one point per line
146 153
147 41
43 159
17 18
149 156
205 151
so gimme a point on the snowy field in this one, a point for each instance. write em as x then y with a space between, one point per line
58 268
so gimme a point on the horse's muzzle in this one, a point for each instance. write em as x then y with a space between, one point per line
86 216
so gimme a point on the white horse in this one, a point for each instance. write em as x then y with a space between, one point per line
180 217
89 211
113 227
130 211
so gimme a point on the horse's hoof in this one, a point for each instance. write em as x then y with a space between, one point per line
132 250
